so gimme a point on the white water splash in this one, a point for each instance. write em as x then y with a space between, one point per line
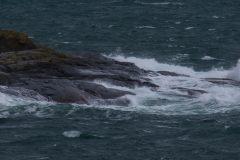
152 64
235 72
17 105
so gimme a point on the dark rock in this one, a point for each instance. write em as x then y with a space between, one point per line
223 81
100 91
150 84
191 92
166 73
14 41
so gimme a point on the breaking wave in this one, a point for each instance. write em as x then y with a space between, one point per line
165 100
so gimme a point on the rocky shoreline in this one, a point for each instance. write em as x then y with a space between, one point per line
61 77
38 70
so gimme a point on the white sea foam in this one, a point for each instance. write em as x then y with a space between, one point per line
149 27
71 134
207 58
17 105
189 28
6 100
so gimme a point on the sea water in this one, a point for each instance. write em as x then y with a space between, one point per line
196 38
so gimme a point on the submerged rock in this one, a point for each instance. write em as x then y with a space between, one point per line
191 92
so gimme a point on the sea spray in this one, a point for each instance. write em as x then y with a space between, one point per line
152 64
235 72
167 100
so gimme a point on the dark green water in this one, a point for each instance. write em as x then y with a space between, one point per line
93 26
179 32
108 134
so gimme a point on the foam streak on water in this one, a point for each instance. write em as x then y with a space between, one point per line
71 134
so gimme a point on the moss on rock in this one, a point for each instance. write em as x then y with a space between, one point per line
14 41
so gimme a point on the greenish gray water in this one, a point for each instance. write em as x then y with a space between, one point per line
198 38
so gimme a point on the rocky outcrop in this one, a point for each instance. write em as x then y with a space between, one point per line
68 78
14 41
40 72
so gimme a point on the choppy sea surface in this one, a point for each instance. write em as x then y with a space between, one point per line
193 37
